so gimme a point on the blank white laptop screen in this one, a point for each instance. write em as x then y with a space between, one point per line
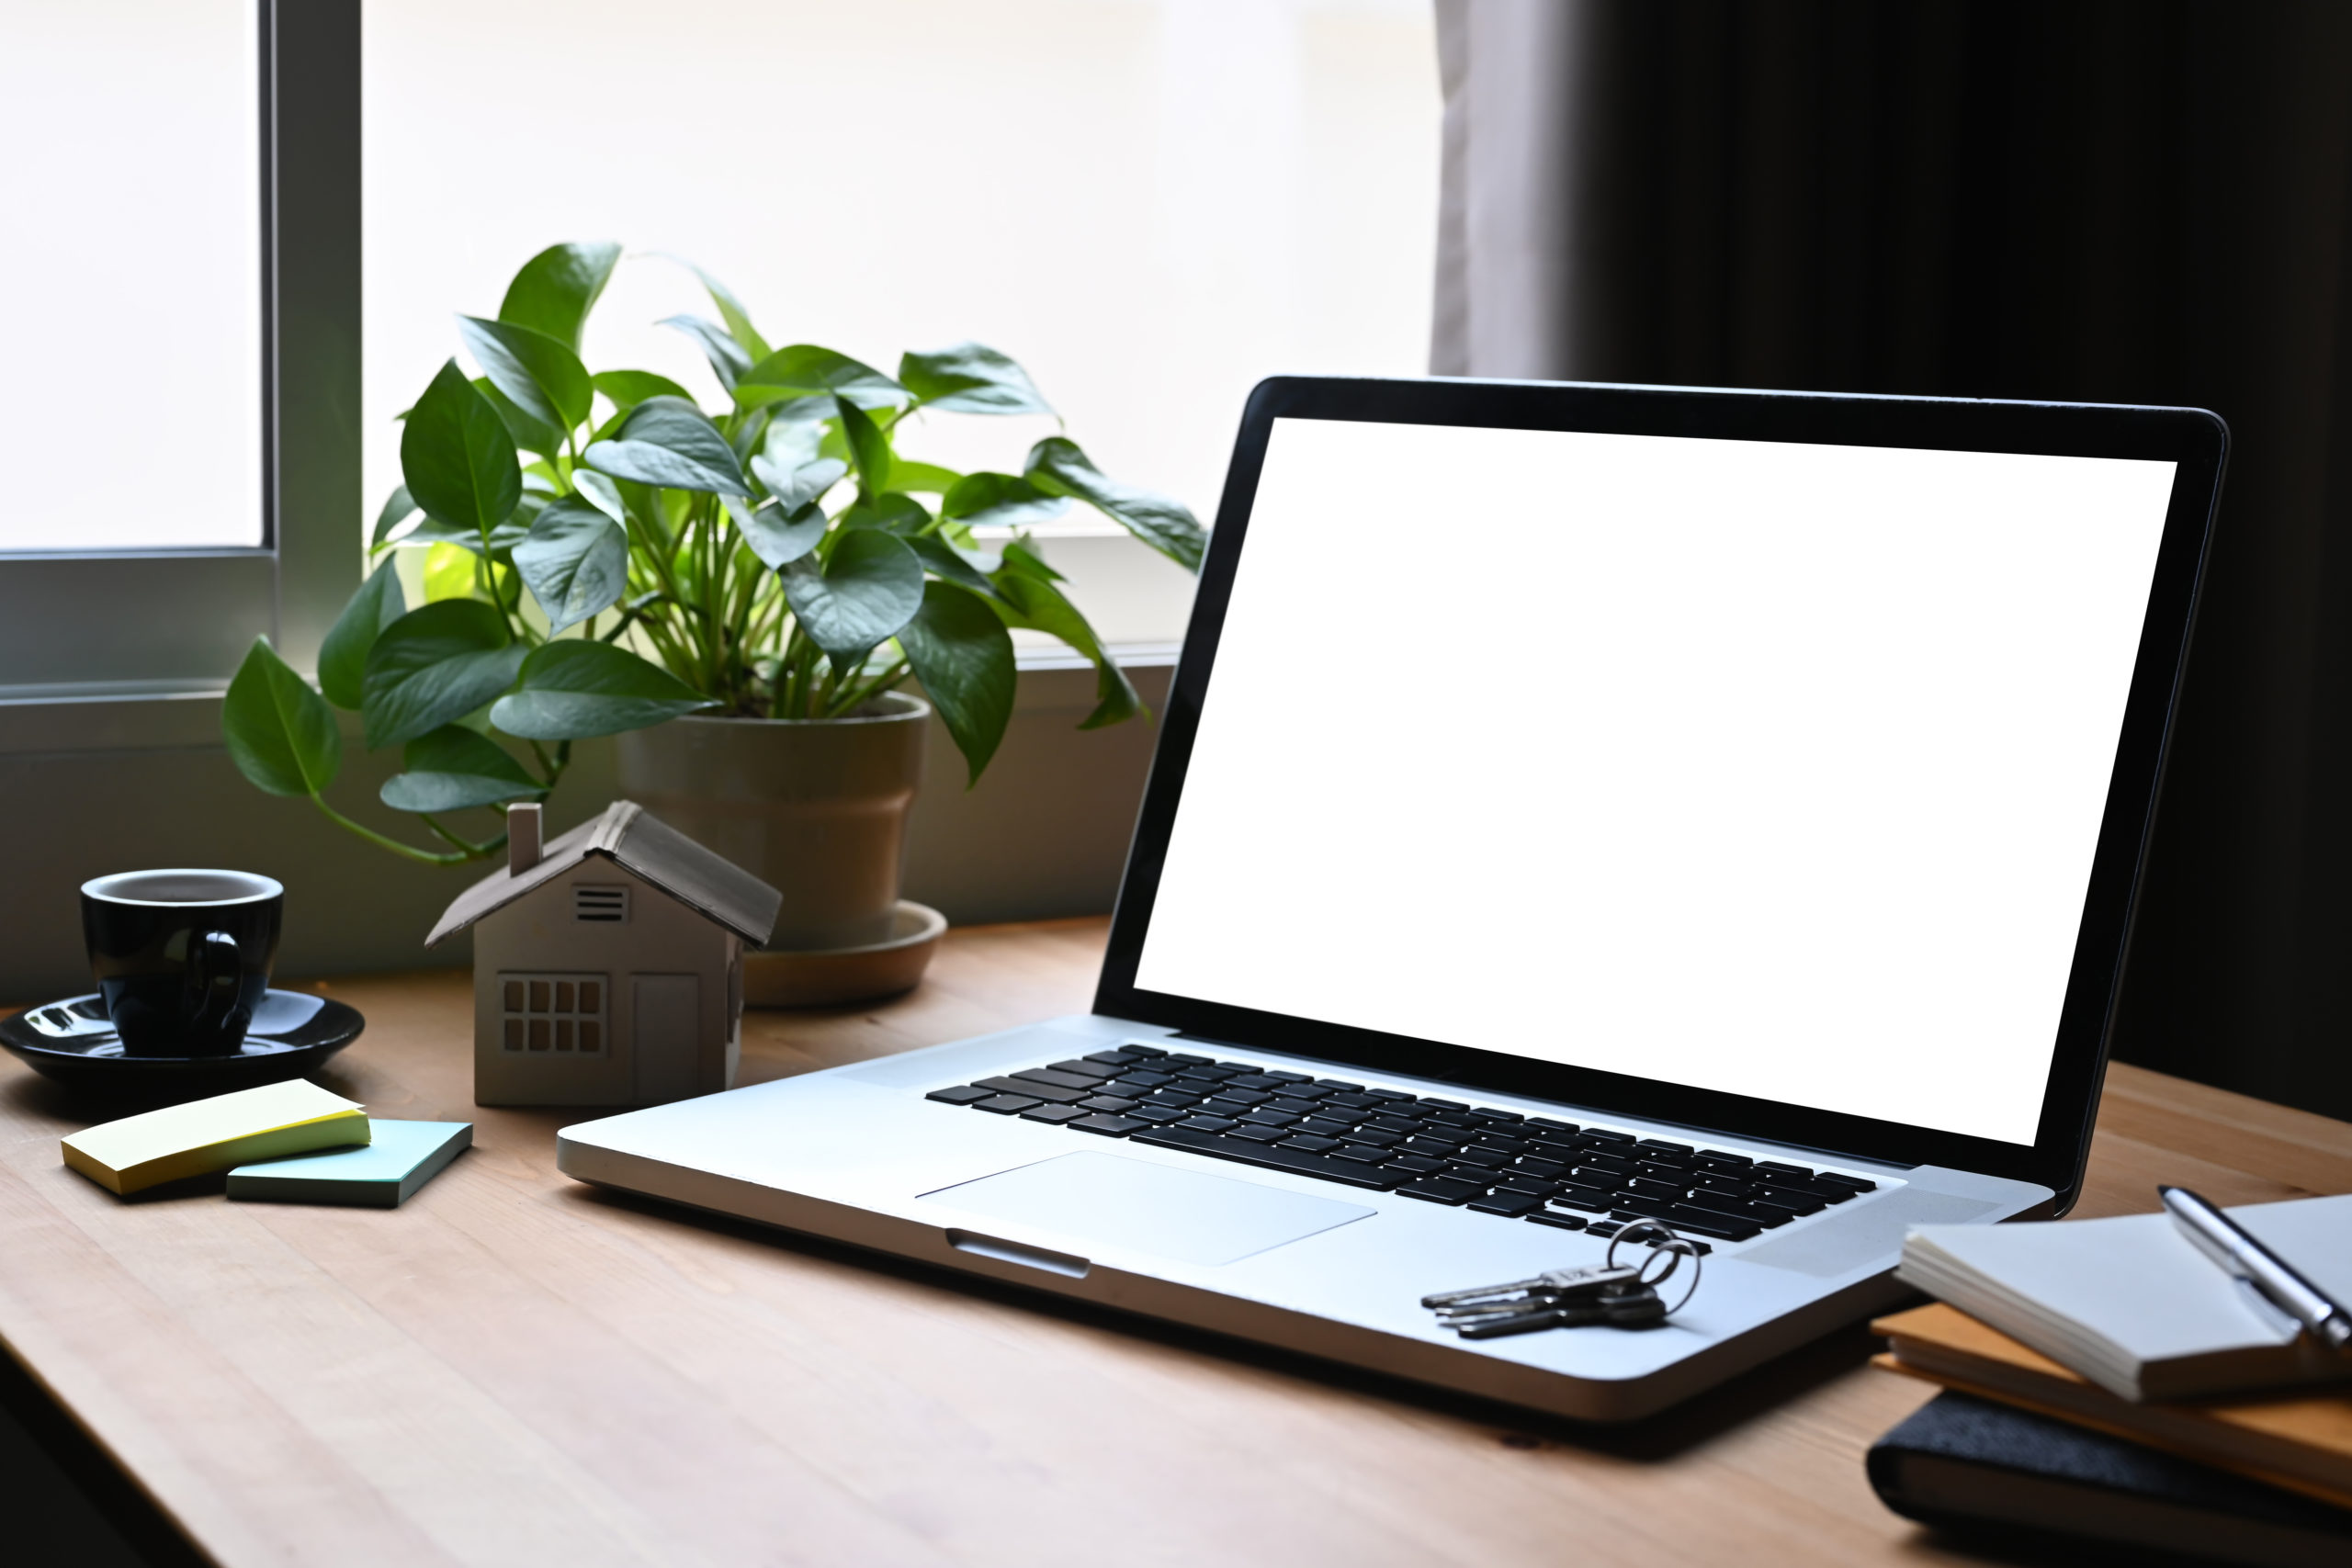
1763 768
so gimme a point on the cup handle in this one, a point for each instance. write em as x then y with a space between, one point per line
216 972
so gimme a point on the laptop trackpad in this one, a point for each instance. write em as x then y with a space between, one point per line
1185 1215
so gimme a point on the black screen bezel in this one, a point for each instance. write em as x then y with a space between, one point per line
2195 440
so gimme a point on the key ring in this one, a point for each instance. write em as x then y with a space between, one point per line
1670 1246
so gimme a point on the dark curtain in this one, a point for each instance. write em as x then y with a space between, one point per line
2139 201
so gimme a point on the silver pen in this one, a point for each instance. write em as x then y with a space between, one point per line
2272 1277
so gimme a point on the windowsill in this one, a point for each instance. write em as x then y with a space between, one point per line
159 716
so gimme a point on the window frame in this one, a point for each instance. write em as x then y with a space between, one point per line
106 624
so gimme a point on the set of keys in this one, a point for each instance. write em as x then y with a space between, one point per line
1618 1295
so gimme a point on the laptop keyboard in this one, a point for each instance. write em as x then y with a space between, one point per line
1574 1176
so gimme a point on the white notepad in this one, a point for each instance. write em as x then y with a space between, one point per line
2132 1305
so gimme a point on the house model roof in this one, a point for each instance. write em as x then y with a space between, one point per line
656 852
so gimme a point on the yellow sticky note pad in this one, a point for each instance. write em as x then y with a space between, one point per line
206 1135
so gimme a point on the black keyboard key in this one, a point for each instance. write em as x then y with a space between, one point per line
1604 1228
1608 1162
1006 1104
1827 1192
1778 1169
1258 1134
1446 1190
1378 1140
1643 1187
1395 1124
1269 1157
1077 1067
1723 1156
1724 1186
1324 1127
1266 1116
1482 1156
1509 1205
1661 1146
1340 1085
1311 1143
1546 1148
1497 1118
1253 1080
1353 1101
1053 1080
1158 1114
1363 1154
1435 1147
1421 1165
1109 1103
1142 1080
1054 1113
1294 1107
1606 1135
1288 1078
1177 1094
1657 1172
1688 1219
1136 1048
1732 1208
1109 1126
1205 1072
1448 1119
1556 1220
1308 1090
1184 1059
1207 1124
1394 1095
1588 1200
962 1094
1115 1059
1549 1125
1243 1095
1223 1105
1534 1164
1444 1104
1510 1182
1031 1090
1839 1179
1795 1202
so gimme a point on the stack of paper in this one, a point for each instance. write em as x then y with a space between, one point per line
401 1157
2130 1304
214 1134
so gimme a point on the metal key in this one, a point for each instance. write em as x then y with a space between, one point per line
1639 1308
1551 1282
1539 1301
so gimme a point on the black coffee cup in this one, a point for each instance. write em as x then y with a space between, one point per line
182 957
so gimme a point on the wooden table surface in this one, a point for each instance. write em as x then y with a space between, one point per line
515 1369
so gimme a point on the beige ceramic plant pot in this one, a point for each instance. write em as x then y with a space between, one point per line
818 809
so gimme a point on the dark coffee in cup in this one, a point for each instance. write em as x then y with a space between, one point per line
182 957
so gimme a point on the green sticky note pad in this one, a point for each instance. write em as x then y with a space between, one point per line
402 1157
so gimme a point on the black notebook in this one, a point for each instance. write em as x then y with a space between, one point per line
1970 1465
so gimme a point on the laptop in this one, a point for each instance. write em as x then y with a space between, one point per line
1574 805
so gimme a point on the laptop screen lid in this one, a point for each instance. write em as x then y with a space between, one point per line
1769 763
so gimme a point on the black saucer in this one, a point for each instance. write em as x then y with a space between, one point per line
293 1034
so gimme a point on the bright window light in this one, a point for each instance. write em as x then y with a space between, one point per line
132 270
1151 204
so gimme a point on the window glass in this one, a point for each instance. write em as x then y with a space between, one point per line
1149 203
133 274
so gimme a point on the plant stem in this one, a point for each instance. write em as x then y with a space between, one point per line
482 852
860 695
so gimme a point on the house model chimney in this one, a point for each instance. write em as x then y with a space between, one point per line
522 837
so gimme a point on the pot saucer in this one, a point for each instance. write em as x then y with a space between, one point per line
836 976
292 1035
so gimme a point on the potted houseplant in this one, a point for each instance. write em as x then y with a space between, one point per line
740 593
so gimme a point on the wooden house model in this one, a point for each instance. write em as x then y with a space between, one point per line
608 968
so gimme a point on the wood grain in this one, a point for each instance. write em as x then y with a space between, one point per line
515 1370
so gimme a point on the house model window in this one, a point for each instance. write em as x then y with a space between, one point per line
608 968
